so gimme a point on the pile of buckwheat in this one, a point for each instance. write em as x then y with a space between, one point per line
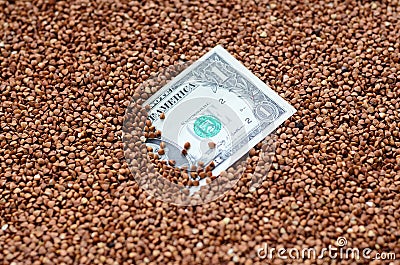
69 70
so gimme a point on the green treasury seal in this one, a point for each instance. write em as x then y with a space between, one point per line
207 126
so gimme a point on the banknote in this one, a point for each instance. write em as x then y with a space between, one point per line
219 107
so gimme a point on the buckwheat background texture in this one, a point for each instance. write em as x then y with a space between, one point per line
70 68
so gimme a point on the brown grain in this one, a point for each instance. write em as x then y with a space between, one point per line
70 68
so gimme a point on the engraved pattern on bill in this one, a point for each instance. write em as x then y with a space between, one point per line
217 98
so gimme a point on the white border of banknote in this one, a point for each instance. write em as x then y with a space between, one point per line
220 70
216 70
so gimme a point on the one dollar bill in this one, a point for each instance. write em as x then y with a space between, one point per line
219 107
